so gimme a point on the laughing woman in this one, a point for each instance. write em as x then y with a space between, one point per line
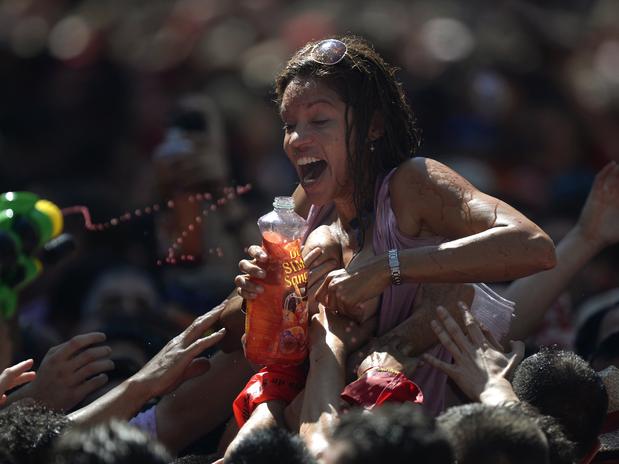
400 220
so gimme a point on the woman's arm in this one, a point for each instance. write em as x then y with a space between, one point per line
487 240
597 228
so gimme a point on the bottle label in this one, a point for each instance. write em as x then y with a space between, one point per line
277 320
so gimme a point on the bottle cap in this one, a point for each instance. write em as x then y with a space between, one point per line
283 203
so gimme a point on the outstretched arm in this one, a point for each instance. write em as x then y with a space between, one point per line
597 228
176 362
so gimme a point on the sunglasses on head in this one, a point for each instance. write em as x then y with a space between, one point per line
328 52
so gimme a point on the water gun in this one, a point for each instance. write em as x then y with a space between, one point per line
29 228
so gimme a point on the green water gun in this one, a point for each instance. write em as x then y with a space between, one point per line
27 223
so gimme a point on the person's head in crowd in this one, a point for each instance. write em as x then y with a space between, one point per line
379 124
394 433
562 385
113 442
597 321
122 292
483 434
269 445
28 431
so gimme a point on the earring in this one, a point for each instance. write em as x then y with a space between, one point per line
372 147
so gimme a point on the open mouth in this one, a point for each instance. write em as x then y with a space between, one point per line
311 169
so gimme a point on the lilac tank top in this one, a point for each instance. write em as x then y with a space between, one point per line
489 308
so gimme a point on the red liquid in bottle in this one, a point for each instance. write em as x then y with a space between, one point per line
276 324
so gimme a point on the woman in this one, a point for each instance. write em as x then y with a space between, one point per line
400 220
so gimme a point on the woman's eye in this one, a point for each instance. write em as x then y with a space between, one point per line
320 122
288 127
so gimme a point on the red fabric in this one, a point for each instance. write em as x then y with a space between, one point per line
378 387
270 383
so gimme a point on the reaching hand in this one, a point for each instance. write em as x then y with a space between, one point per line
177 362
70 371
479 363
599 218
14 376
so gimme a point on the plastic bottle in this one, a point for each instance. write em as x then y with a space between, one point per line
276 324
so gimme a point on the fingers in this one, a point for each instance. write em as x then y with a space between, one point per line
90 386
252 269
472 327
23 378
258 253
89 355
206 342
202 323
246 288
490 339
78 343
92 369
447 368
450 334
16 375
19 368
312 256
319 271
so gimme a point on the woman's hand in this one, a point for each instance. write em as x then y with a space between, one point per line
599 219
14 376
480 367
346 291
178 361
251 269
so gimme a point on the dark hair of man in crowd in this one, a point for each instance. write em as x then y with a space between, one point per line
393 433
483 434
113 442
562 385
368 87
28 431
269 445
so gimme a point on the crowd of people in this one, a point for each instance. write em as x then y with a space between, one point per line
418 348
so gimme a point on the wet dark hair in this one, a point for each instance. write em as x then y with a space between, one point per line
269 444
115 441
28 431
482 434
562 385
368 86
395 433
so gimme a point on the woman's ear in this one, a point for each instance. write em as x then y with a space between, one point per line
377 127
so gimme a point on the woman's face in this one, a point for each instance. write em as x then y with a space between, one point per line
314 119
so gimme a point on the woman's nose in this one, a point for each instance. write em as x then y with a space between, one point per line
299 136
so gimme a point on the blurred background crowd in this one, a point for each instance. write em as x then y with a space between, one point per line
122 105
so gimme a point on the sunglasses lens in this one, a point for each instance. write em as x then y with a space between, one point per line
330 51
